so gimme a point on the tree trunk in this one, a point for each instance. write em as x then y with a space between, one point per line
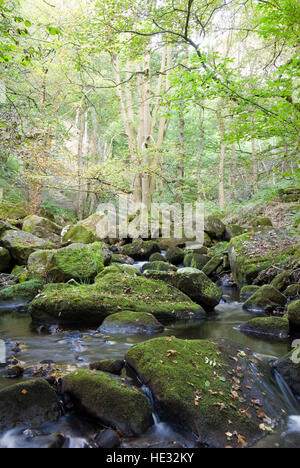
80 161
222 159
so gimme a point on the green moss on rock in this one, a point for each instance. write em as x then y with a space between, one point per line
270 327
265 299
294 314
22 244
248 291
133 323
13 211
110 400
158 266
42 228
140 250
125 270
29 404
78 235
5 260
24 291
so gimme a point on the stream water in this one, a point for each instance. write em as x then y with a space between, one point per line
76 349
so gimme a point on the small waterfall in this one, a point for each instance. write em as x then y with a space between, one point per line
148 394
289 398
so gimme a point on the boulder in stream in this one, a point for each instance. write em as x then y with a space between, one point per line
131 323
111 400
265 299
213 388
269 327
23 291
289 368
140 250
30 403
294 315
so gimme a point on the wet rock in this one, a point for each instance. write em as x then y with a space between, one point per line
158 266
108 439
269 327
140 250
13 372
109 365
289 368
294 315
132 323
42 228
175 255
265 299
30 403
91 304
202 385
248 291
214 227
22 244
5 260
110 400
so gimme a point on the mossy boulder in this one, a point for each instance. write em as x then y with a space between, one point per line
157 257
5 260
110 400
13 211
214 227
111 366
24 291
42 228
282 281
197 261
79 263
252 253
211 388
125 270
219 250
29 404
212 265
175 255
40 263
131 323
20 273
22 244
158 266
140 250
66 304
292 291
6 227
269 327
123 259
294 315
248 291
233 230
262 221
289 368
78 235
265 299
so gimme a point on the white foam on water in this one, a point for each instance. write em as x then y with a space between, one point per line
293 424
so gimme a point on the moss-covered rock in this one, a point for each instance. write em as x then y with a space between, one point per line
157 257
203 385
282 280
29 404
40 263
212 265
252 253
110 400
13 211
219 250
6 227
262 221
265 299
22 244
132 323
140 250
91 304
125 270
24 291
158 266
20 273
294 315
292 291
233 230
111 366
123 259
248 291
269 327
78 235
5 260
198 261
78 263
214 227
42 228
289 368
175 255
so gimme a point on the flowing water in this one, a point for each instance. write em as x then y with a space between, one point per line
70 349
